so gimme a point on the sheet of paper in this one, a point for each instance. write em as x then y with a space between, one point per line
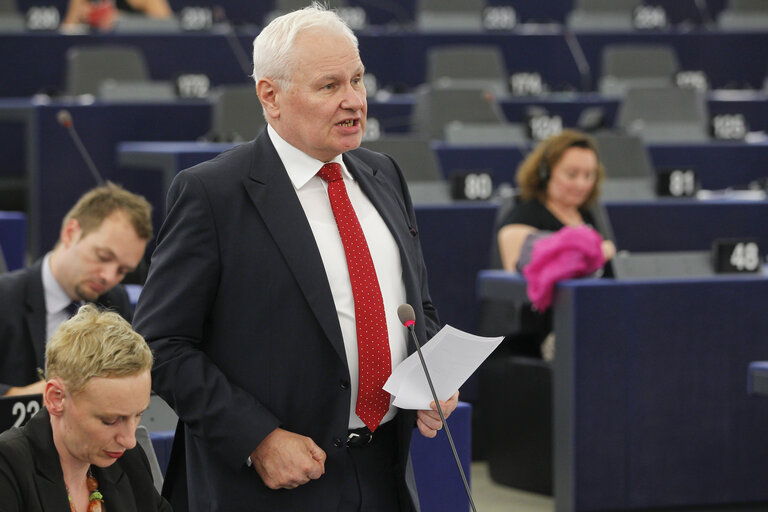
451 356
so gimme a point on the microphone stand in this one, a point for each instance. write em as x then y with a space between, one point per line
65 119
409 325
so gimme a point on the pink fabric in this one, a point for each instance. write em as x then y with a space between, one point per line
569 252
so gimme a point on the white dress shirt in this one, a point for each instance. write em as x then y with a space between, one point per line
56 300
313 195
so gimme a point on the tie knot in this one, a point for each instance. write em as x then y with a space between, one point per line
330 172
72 308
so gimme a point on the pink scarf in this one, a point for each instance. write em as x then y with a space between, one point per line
569 252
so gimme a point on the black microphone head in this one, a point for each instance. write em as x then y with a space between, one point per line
405 313
64 118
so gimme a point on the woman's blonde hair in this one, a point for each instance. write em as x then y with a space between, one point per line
95 343
536 169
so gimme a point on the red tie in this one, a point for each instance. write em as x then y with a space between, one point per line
374 361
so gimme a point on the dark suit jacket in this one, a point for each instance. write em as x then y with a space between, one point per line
240 315
22 323
31 478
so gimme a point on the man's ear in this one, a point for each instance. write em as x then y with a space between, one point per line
269 95
70 232
53 397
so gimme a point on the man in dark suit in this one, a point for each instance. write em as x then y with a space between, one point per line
254 307
103 237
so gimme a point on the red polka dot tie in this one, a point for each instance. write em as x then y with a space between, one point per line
374 361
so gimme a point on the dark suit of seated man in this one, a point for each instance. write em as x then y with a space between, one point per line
103 237
271 302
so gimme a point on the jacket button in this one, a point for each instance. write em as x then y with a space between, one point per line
337 442
344 384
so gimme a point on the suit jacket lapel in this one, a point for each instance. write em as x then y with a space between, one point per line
273 195
116 488
48 477
35 315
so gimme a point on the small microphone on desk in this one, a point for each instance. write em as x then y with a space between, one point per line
65 119
408 318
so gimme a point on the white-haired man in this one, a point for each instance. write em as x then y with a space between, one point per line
272 298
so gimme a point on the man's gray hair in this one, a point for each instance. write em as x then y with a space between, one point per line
272 48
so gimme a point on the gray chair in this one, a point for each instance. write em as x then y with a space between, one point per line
125 91
420 167
414 155
665 114
12 23
629 172
237 114
662 264
141 24
474 66
744 15
435 108
11 20
143 440
89 66
602 15
626 66
450 15
8 7
472 134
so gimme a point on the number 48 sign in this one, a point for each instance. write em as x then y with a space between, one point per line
736 255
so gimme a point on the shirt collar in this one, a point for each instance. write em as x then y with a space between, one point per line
300 166
56 299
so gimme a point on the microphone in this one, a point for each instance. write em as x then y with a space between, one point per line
582 64
64 118
220 18
408 318
706 15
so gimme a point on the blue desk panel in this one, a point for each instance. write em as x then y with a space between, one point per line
650 408
730 59
13 238
681 225
437 477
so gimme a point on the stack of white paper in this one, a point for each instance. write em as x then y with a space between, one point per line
451 356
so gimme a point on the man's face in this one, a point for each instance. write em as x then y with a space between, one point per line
323 111
93 264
